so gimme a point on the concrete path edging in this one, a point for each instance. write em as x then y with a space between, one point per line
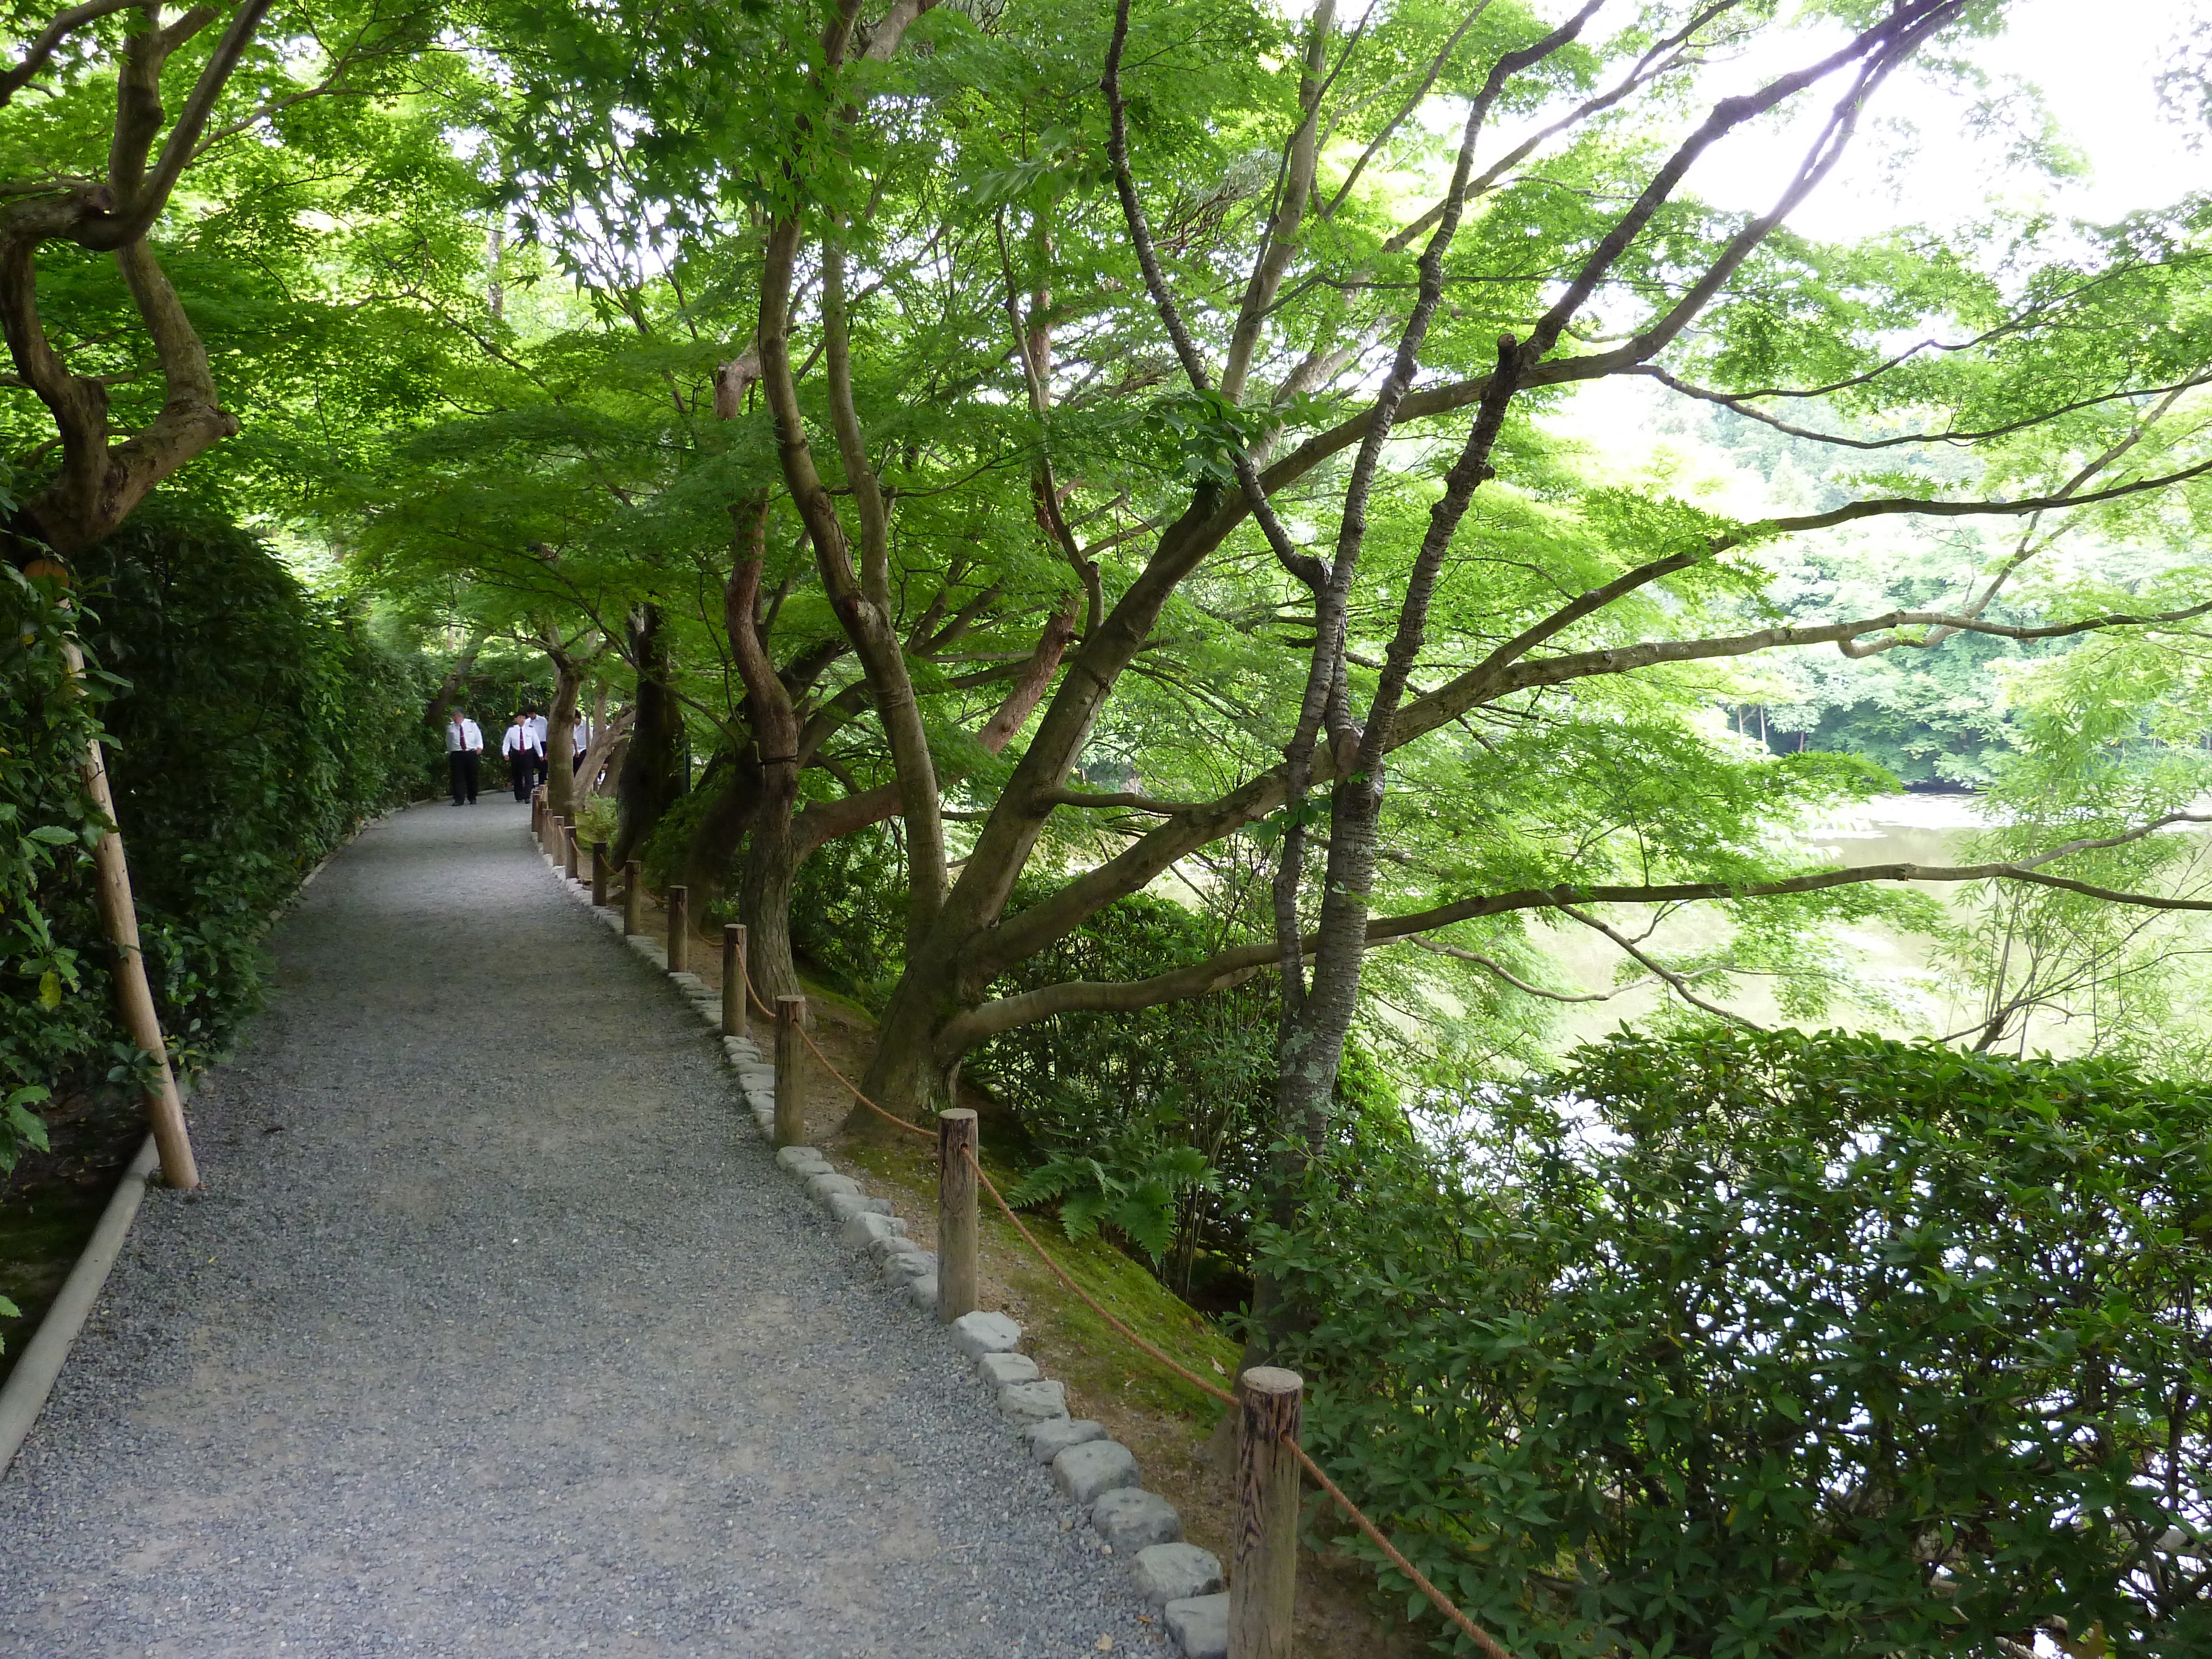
23 1396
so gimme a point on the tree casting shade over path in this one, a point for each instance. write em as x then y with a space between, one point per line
512 1340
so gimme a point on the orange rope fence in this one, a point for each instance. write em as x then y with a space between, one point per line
1443 1603
1438 1598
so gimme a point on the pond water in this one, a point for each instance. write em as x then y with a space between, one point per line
1922 999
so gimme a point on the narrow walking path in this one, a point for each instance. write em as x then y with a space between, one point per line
497 1333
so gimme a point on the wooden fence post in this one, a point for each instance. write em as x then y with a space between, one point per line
679 954
1263 1578
633 899
733 979
790 1071
598 875
549 842
537 815
957 1147
569 846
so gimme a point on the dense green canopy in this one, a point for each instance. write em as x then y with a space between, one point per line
1178 552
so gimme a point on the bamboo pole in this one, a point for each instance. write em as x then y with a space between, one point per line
165 1108
1263 1578
734 1011
678 951
790 1071
633 899
956 1224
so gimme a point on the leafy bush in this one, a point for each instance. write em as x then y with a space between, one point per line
252 726
848 912
1113 1104
1785 1346
46 828
1135 1190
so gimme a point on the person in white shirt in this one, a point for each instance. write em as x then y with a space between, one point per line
583 731
536 725
520 765
464 754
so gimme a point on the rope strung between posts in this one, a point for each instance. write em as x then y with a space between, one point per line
896 1122
1438 1598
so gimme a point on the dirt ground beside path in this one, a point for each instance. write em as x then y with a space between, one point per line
491 1336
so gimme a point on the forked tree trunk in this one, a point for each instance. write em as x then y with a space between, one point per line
441 706
602 760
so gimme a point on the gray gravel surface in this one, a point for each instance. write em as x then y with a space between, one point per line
496 1332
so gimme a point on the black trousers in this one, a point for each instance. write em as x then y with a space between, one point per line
519 765
463 762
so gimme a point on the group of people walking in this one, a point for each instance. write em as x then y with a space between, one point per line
524 746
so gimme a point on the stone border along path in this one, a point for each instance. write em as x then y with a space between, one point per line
487 1338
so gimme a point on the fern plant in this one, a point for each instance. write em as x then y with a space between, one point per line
1131 1190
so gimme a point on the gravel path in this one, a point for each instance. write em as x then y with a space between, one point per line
496 1332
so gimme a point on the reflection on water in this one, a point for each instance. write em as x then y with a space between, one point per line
1909 991
1900 829
1924 999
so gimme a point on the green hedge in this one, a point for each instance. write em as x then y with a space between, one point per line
251 726
1782 1345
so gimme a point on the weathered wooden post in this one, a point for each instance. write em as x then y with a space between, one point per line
598 875
957 1147
790 1071
679 930
569 846
1263 1576
549 842
537 815
633 899
733 979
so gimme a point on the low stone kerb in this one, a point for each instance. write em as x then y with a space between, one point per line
1088 1472
978 1334
1177 1572
1129 1520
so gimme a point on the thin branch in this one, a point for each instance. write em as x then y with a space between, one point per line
1679 985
